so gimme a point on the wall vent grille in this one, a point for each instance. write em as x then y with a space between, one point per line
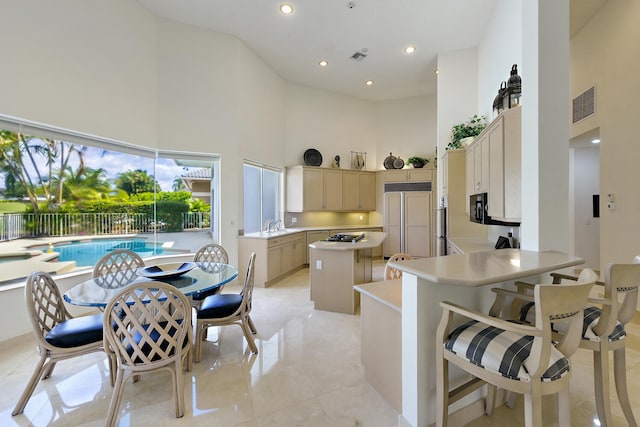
584 104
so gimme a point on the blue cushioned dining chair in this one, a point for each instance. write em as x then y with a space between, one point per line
206 257
228 309
117 269
58 334
518 358
147 327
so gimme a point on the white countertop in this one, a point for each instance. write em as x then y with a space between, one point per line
372 239
387 292
294 230
488 267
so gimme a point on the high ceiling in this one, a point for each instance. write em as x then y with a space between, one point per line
334 30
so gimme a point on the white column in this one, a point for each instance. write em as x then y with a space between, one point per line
545 125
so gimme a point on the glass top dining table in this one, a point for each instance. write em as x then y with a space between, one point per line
204 277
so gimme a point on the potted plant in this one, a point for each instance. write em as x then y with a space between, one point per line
417 162
470 128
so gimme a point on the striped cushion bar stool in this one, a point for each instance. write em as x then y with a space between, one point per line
516 357
604 330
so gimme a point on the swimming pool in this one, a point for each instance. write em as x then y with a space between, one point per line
87 253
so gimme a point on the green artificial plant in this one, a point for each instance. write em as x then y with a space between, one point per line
417 161
472 127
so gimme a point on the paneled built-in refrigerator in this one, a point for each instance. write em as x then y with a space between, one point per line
407 218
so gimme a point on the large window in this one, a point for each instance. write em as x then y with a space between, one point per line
60 189
262 196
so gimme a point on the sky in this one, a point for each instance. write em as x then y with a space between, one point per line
114 163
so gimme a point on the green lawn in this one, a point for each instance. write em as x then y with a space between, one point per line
12 207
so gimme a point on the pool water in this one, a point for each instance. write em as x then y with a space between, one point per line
87 254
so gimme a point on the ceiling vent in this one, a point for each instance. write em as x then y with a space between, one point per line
358 56
584 104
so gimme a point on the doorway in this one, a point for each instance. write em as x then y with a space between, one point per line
585 197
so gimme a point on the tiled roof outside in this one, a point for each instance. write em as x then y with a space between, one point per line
200 173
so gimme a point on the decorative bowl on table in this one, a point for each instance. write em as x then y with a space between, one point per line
166 271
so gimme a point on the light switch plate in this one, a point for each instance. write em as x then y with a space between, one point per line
319 264
611 201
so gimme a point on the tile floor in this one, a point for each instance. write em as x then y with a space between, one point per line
307 373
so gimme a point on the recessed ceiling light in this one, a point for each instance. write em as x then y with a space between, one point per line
286 8
369 82
323 63
409 50
595 141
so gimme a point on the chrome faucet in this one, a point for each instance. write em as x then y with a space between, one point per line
273 225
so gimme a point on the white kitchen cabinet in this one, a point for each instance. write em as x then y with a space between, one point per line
409 175
276 257
479 173
493 166
505 192
367 193
330 190
358 191
496 172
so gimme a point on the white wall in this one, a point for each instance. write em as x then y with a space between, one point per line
87 66
586 183
499 48
406 127
331 123
197 89
457 95
603 54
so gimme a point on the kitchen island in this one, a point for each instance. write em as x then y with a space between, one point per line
460 279
334 267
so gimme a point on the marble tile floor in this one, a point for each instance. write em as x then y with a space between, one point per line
307 373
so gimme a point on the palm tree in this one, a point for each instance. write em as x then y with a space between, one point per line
84 184
178 184
20 156
16 152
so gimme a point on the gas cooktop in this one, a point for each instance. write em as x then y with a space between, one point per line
346 237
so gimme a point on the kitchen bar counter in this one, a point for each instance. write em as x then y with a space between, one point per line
293 230
334 267
280 253
485 268
381 338
372 239
460 279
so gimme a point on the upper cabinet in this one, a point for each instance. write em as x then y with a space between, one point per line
325 189
408 175
477 158
493 166
358 191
